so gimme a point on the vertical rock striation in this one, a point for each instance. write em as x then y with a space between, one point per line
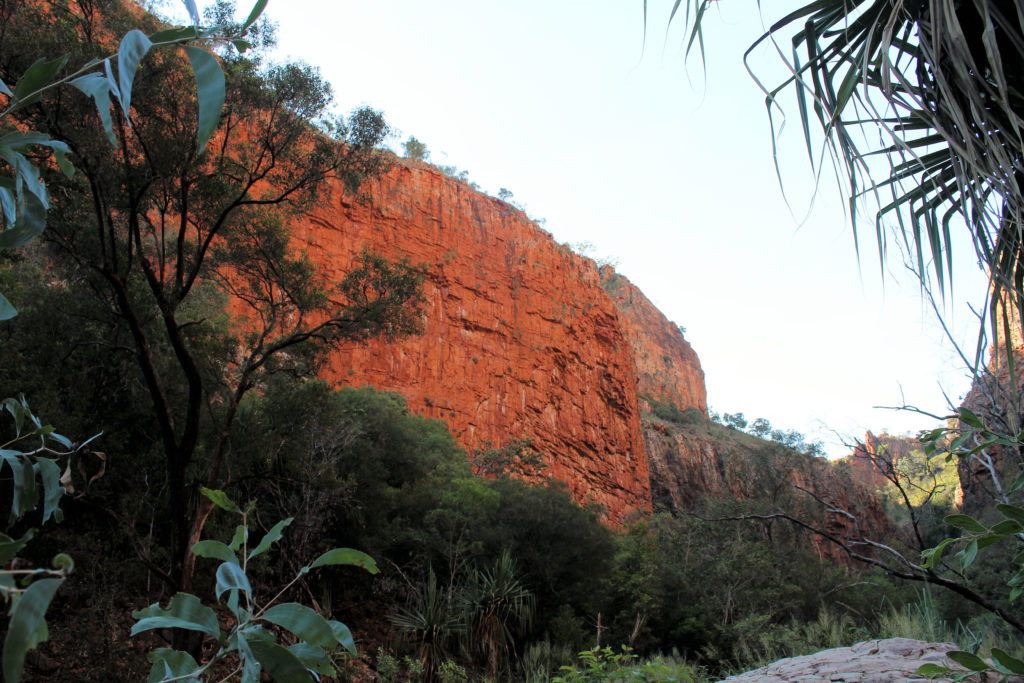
521 339
524 339
667 368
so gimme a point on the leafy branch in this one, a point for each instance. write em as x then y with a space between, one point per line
23 198
249 641
30 591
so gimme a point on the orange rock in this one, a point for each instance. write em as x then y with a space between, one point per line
521 340
667 367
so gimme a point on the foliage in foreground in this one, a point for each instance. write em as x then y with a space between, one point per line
250 644
605 664
29 592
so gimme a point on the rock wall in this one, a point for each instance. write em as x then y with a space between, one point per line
667 367
525 339
521 339
871 459
997 397
696 463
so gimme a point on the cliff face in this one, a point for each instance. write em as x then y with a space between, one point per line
667 367
877 455
525 339
521 339
997 397
695 463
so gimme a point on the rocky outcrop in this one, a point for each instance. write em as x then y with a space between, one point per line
997 397
695 462
874 661
882 461
878 456
521 340
667 368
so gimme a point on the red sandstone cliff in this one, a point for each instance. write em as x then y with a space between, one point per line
696 463
878 457
521 339
526 339
997 397
667 367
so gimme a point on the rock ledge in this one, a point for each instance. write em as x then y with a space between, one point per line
874 661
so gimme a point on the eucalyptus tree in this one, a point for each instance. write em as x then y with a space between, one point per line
188 245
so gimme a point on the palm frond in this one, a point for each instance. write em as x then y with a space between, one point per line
935 88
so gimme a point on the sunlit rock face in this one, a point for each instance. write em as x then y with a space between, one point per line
667 368
871 458
521 339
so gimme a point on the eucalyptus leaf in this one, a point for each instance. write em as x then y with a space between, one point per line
29 87
968 554
134 47
1011 664
29 224
173 35
1006 527
97 86
193 12
1012 512
220 499
27 626
966 522
282 665
930 670
344 636
271 537
257 10
346 556
7 311
970 419
304 622
966 659
933 555
62 440
8 199
240 537
184 611
993 538
231 576
49 474
10 547
25 494
168 663
210 92
215 550
313 658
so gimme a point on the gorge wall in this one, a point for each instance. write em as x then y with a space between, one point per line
521 339
697 464
878 457
525 339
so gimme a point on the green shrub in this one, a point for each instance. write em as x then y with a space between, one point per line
604 664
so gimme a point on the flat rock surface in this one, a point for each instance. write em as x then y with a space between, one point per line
874 661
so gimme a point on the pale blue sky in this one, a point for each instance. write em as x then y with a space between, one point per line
627 147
